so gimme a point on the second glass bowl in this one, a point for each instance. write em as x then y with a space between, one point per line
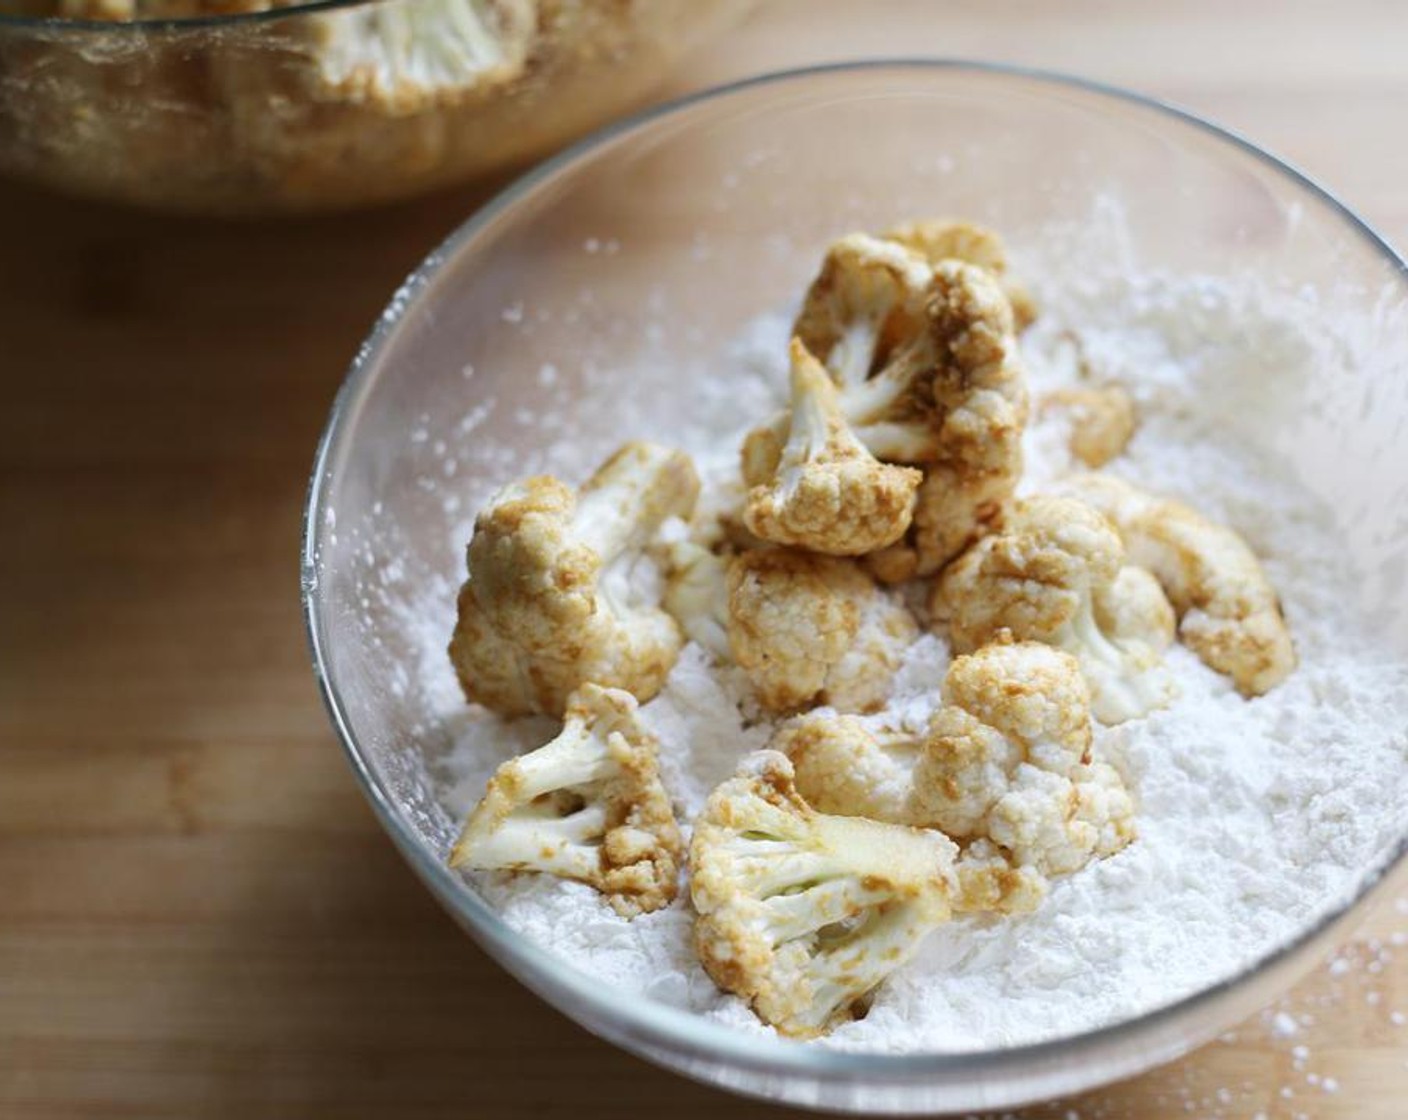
324 106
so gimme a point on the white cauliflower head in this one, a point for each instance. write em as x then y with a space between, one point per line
814 630
1005 767
827 493
548 604
1228 612
804 914
589 806
1055 573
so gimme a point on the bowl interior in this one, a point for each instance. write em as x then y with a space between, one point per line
596 301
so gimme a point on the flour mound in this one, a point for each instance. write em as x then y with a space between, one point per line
1254 816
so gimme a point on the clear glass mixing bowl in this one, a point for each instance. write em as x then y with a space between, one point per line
323 105
624 266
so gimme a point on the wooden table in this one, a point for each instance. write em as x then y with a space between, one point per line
198 916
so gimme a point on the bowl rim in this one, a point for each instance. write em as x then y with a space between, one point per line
50 25
646 1021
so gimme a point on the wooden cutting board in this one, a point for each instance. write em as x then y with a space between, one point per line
198 916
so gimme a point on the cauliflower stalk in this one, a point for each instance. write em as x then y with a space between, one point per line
549 603
827 493
1005 766
1056 573
1228 612
814 630
589 806
804 914
696 595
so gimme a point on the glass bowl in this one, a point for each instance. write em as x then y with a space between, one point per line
647 248
327 105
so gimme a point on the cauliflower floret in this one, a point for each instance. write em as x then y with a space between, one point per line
1228 612
588 805
828 493
954 339
938 240
988 881
548 604
849 765
814 630
1098 412
804 914
1054 574
1102 420
982 396
950 394
1005 766
864 299
410 55
696 594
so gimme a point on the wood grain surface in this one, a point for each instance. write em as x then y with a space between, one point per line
198 915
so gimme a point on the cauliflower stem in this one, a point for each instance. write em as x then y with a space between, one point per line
588 805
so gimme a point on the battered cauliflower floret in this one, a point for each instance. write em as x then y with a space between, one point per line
1055 574
983 397
1228 612
1005 766
979 408
814 630
804 914
588 806
865 298
549 605
1099 413
1102 420
938 240
953 340
828 493
989 882
949 395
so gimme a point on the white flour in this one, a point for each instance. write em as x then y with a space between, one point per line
1254 816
